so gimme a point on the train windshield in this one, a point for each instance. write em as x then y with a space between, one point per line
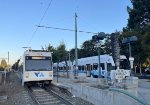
38 63
124 64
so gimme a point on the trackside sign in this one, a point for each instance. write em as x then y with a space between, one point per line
119 74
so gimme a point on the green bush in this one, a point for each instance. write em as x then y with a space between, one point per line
1 69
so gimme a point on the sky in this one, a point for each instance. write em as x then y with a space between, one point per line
19 20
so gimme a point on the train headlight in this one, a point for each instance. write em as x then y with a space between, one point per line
26 75
50 74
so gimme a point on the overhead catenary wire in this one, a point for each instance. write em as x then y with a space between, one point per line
65 29
43 16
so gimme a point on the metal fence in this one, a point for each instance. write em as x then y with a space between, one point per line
2 77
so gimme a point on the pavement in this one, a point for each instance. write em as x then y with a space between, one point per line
143 76
144 89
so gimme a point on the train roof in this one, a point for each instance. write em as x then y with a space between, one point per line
94 59
30 50
62 63
123 57
91 60
37 53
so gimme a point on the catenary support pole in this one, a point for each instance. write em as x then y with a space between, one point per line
76 52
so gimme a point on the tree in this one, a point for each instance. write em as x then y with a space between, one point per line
54 55
1 69
50 48
16 65
63 55
107 45
3 63
61 52
139 15
138 25
115 48
72 54
87 49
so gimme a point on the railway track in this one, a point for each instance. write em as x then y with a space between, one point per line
45 96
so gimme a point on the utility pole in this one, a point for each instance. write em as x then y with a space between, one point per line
8 57
69 62
100 36
99 64
76 53
130 50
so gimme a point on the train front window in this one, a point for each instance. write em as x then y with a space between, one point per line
38 63
124 64
110 67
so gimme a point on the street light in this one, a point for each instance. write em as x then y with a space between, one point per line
128 41
97 39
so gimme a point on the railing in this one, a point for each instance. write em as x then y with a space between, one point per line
130 95
3 72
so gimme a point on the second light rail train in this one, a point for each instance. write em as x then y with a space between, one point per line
89 66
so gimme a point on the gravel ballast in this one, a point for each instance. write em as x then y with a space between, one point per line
15 93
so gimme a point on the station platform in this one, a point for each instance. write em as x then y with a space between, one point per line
97 91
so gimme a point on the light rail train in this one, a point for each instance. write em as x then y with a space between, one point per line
89 65
36 67
86 65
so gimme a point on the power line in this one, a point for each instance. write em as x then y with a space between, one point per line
45 11
64 29
40 22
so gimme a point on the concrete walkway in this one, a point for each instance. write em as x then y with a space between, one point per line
144 90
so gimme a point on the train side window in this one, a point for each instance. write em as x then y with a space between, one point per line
95 66
83 67
102 66
79 67
91 67
109 67
88 67
65 68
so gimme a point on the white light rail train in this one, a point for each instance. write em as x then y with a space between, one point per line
89 66
36 67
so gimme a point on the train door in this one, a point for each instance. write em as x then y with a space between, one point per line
103 69
88 70
79 69
94 70
83 68
95 66
109 68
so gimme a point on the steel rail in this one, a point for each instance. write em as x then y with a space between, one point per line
51 92
58 96
31 94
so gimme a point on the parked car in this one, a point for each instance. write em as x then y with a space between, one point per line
147 70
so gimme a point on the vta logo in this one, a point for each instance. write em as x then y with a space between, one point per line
39 74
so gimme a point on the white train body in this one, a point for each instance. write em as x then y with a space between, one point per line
89 65
37 66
